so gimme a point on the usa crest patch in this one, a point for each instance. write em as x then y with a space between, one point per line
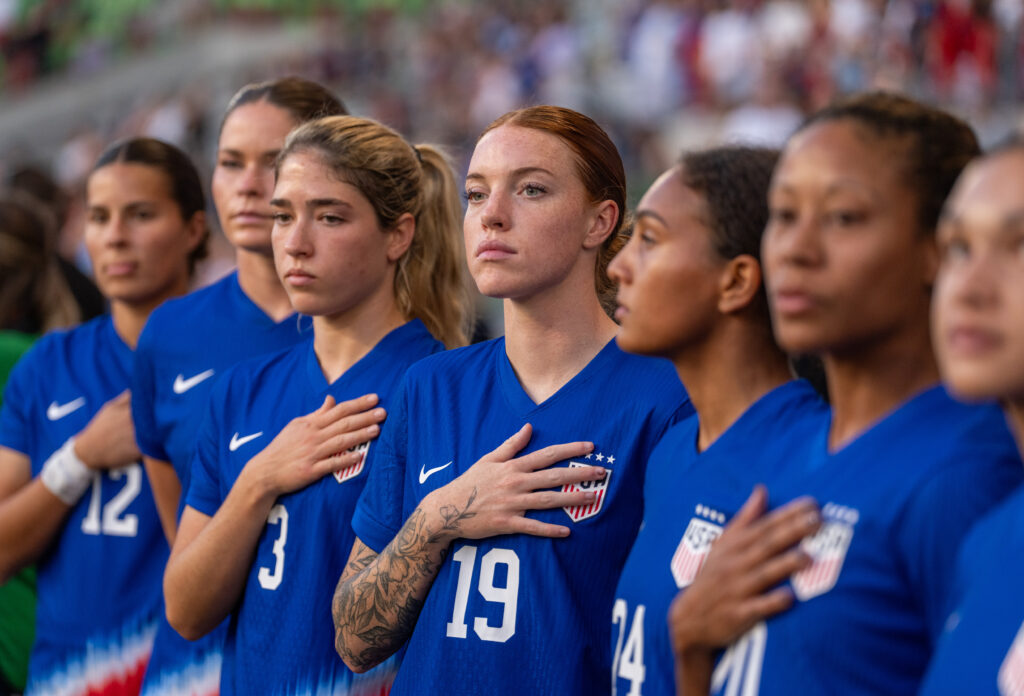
827 550
353 470
1011 673
693 548
582 512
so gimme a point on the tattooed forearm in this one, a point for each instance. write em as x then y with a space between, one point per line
379 598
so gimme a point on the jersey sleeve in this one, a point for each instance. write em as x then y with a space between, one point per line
144 398
204 489
19 399
379 512
939 517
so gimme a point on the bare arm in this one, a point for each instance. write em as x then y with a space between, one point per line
738 585
206 572
166 494
379 597
31 517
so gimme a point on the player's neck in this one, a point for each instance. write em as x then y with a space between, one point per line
727 373
258 280
867 383
1015 417
129 319
549 339
342 340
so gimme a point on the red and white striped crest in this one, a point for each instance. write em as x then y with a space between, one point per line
827 549
353 470
693 550
582 512
1011 673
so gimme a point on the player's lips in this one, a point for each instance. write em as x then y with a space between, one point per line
968 340
793 300
119 269
493 250
251 217
621 312
297 277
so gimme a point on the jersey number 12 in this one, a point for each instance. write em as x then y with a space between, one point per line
110 519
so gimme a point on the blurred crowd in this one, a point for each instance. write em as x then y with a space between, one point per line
660 75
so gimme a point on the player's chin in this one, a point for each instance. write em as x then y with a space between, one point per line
633 341
310 304
974 381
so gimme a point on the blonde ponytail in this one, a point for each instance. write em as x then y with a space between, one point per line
430 279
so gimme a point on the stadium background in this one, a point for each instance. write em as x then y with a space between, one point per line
660 75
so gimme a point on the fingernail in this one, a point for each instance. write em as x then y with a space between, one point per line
812 518
375 428
599 471
379 413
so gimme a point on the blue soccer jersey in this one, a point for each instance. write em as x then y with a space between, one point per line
982 648
186 343
519 614
99 582
280 639
688 497
896 502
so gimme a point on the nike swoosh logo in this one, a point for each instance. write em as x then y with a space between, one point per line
56 412
182 385
237 442
424 475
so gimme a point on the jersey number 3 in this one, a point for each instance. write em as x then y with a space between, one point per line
270 579
507 595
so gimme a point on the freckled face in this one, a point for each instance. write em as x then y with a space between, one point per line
846 265
329 249
978 308
135 235
528 214
667 273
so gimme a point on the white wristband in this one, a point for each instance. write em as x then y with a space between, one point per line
65 475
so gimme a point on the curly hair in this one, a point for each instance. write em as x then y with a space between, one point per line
938 145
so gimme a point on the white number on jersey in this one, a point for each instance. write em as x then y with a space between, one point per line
739 670
271 579
508 595
110 518
628 661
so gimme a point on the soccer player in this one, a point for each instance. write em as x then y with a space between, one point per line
492 598
978 328
188 341
72 491
690 290
366 242
900 470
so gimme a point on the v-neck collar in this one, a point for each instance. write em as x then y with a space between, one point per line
246 304
895 421
521 403
378 354
762 409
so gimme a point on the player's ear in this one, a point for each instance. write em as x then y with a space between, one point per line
739 284
400 236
